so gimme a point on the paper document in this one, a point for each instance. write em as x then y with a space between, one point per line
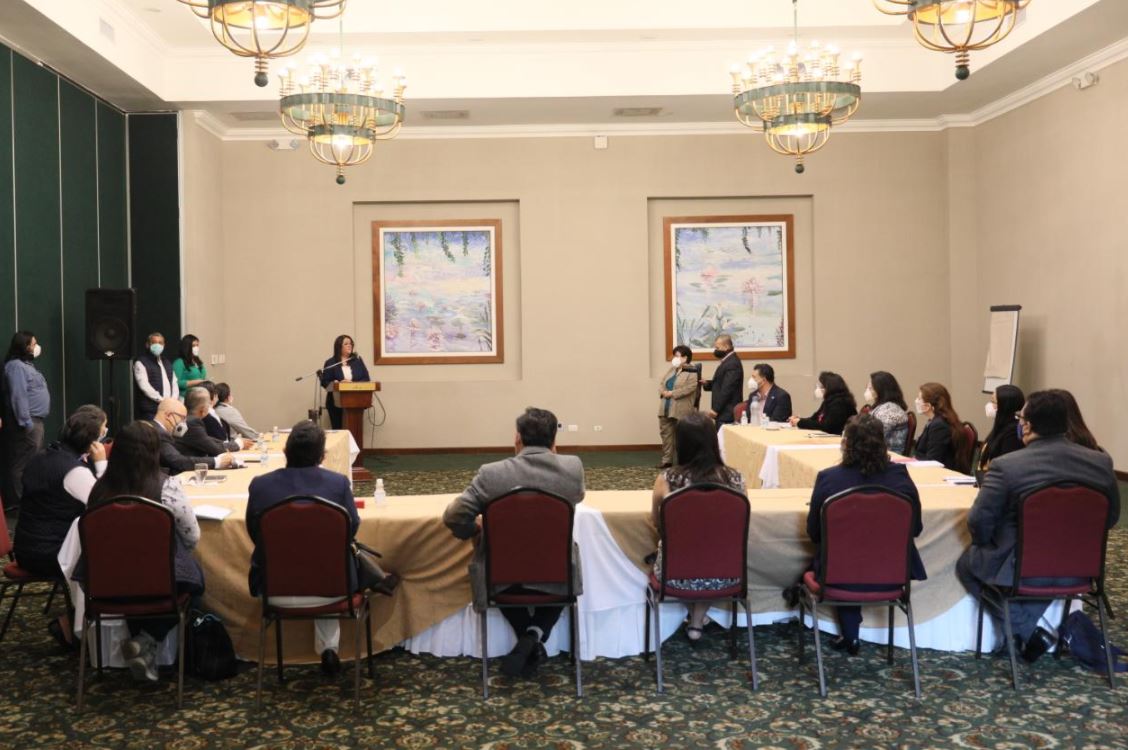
211 512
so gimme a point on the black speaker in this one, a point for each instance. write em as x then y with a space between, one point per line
110 320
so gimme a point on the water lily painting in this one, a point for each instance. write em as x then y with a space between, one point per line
436 288
734 275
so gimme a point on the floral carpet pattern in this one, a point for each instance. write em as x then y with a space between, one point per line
427 702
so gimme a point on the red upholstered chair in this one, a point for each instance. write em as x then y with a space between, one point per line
971 445
129 549
704 532
1062 533
867 535
527 538
320 530
866 409
910 439
738 412
16 576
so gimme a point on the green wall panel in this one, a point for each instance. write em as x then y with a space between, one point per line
7 228
78 144
113 235
39 280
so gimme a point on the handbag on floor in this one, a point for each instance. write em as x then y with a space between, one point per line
1086 643
210 652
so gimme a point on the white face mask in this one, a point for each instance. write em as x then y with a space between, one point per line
156 349
869 395
753 384
195 351
919 404
819 393
677 362
36 351
990 409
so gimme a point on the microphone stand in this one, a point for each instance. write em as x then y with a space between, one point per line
315 413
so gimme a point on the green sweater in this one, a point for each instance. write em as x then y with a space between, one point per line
184 373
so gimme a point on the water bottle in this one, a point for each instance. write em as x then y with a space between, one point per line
764 420
753 408
379 497
744 417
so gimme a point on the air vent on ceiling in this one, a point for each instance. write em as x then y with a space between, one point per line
446 114
255 116
637 111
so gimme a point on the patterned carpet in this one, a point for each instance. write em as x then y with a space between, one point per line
426 702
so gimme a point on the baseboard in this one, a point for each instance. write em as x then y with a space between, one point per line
507 449
1122 476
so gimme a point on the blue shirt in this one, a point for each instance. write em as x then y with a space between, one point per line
27 392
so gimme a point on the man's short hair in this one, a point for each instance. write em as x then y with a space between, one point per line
195 398
208 386
537 428
766 371
1047 412
222 392
306 445
725 339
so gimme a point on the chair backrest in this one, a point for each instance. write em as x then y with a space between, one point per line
866 409
967 453
867 532
738 410
527 536
704 533
910 438
305 546
1062 532
129 550
5 540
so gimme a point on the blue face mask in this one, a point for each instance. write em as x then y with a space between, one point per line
1018 427
156 349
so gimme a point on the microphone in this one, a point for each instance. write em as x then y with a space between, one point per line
330 367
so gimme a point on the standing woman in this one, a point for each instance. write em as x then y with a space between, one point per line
1005 403
343 365
189 368
943 438
836 406
27 403
889 408
676 390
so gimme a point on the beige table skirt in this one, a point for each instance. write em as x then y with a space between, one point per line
746 446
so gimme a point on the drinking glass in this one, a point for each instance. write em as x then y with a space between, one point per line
201 473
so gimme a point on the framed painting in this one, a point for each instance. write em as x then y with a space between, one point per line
436 292
734 275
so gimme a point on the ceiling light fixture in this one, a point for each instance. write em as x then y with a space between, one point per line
796 99
263 29
957 27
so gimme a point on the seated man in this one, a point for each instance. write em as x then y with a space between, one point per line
302 475
538 466
1048 457
214 423
196 440
171 420
225 410
774 402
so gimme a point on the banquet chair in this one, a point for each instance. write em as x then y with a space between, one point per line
325 568
971 445
704 534
738 411
1062 534
129 550
864 559
527 540
910 438
14 575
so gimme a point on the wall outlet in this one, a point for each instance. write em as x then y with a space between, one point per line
598 428
573 428
223 359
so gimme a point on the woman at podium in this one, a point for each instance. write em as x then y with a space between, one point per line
343 365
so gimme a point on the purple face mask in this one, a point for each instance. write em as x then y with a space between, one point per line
1018 427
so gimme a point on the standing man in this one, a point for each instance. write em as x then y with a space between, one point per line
775 403
153 378
727 385
536 466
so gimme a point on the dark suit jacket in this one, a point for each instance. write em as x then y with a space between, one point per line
830 482
727 387
935 444
993 520
332 371
777 406
832 415
216 427
270 489
197 442
175 461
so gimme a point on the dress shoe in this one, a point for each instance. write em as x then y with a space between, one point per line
536 658
513 663
330 663
851 646
1039 643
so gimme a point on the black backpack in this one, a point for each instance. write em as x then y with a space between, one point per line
211 654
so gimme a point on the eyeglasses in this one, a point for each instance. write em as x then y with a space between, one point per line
1019 418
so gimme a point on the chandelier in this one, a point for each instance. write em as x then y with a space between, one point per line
796 99
957 26
340 108
263 29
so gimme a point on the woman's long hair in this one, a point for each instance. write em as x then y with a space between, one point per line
940 400
18 348
699 455
1010 399
886 389
863 445
834 387
1076 430
186 354
134 467
340 342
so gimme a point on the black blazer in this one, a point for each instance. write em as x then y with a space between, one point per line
935 444
837 479
833 414
777 406
216 427
197 442
332 371
727 387
175 461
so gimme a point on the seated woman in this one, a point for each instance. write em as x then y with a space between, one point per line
1005 403
884 392
865 461
699 462
676 392
57 484
1076 431
943 438
836 406
134 469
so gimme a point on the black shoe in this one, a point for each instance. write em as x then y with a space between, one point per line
851 647
387 587
330 663
536 658
791 595
55 628
1039 643
513 663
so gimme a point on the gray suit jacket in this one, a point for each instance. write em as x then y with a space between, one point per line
537 468
993 520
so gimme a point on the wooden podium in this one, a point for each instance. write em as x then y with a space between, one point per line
353 399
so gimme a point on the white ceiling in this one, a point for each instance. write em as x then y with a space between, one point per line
509 64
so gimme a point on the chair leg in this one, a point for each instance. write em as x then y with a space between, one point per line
98 644
1107 643
1008 634
368 633
658 645
1108 606
751 646
485 657
979 626
11 609
82 656
1066 603
576 649
180 661
802 618
278 647
51 597
261 659
732 633
889 646
358 621
818 644
646 629
913 648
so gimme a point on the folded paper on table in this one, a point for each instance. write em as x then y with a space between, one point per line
211 512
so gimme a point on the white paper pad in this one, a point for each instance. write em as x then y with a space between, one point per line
211 512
